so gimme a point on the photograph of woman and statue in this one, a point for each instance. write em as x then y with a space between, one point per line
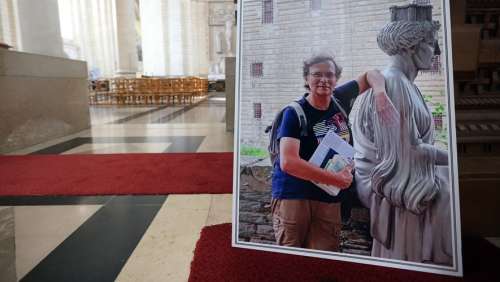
399 173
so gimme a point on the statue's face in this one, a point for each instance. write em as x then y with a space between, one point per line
321 78
423 53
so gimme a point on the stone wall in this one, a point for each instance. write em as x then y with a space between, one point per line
346 28
255 222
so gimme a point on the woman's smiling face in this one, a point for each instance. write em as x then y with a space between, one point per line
321 78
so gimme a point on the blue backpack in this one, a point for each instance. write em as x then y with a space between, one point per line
274 144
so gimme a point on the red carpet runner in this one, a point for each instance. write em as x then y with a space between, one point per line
114 174
215 260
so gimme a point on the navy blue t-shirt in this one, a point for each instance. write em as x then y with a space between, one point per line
286 186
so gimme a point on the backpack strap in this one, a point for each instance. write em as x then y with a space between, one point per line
302 117
344 113
273 147
337 104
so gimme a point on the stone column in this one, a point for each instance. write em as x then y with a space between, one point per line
174 37
187 37
39 25
175 40
199 11
154 37
8 23
126 37
203 39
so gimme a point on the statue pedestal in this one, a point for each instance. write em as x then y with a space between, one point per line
42 98
230 92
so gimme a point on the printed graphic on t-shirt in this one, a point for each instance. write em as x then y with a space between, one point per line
337 123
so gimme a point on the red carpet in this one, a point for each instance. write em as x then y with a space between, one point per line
114 174
215 260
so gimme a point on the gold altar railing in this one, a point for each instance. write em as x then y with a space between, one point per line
146 91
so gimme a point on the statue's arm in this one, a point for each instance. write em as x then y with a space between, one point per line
371 79
293 164
386 111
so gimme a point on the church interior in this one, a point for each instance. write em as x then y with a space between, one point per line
158 76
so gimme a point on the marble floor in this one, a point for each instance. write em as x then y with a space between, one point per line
117 238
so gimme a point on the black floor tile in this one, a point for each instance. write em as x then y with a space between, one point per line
176 114
179 143
53 200
138 115
99 248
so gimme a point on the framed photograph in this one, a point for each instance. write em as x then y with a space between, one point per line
345 144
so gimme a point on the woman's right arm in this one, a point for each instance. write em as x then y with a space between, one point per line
291 163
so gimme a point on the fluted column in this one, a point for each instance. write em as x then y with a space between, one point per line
8 23
174 37
126 38
39 27
154 34
94 32
187 37
204 46
199 38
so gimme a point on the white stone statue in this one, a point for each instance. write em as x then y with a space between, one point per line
400 175
218 42
221 65
214 66
229 34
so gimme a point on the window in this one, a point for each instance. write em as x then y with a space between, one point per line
315 5
256 70
436 64
257 110
267 11
422 2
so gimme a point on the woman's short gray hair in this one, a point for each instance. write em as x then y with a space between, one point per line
318 59
398 36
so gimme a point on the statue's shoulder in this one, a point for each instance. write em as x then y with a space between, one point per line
395 78
393 74
397 85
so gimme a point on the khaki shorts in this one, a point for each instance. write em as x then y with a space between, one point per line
307 224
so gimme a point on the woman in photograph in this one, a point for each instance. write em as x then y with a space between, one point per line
400 175
304 215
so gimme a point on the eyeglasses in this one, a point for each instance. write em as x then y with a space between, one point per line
319 75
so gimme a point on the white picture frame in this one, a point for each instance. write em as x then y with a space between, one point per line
244 82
